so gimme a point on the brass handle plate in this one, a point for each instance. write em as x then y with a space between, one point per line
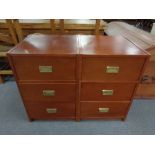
107 92
51 110
45 69
112 69
48 92
103 110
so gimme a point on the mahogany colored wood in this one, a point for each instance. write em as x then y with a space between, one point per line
63 110
108 46
93 91
78 75
94 69
90 110
41 44
27 68
96 54
34 92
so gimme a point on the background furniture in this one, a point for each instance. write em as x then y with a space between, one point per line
61 26
7 40
145 41
87 77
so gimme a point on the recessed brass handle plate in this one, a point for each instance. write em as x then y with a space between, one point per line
45 69
51 110
112 69
107 92
103 110
48 92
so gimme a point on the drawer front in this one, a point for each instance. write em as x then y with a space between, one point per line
111 69
48 92
49 111
106 91
44 68
103 109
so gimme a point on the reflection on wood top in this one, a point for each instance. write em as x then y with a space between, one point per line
76 44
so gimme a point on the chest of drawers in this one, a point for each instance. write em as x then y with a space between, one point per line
77 76
111 68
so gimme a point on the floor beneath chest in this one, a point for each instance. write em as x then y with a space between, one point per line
13 119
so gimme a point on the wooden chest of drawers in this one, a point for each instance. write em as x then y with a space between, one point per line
77 76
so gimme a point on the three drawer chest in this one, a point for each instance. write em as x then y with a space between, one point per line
77 76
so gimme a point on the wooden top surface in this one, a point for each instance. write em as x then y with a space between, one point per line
47 44
76 44
105 45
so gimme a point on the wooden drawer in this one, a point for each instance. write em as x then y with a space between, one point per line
48 92
98 69
51 111
44 68
103 109
106 91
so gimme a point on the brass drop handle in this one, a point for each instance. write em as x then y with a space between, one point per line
51 110
48 92
106 92
112 69
45 69
103 110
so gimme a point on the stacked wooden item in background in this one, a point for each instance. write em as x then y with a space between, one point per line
7 40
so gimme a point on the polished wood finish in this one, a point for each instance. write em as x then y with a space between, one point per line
41 44
96 54
77 77
90 110
129 68
112 46
45 50
27 70
145 41
34 92
64 110
93 91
